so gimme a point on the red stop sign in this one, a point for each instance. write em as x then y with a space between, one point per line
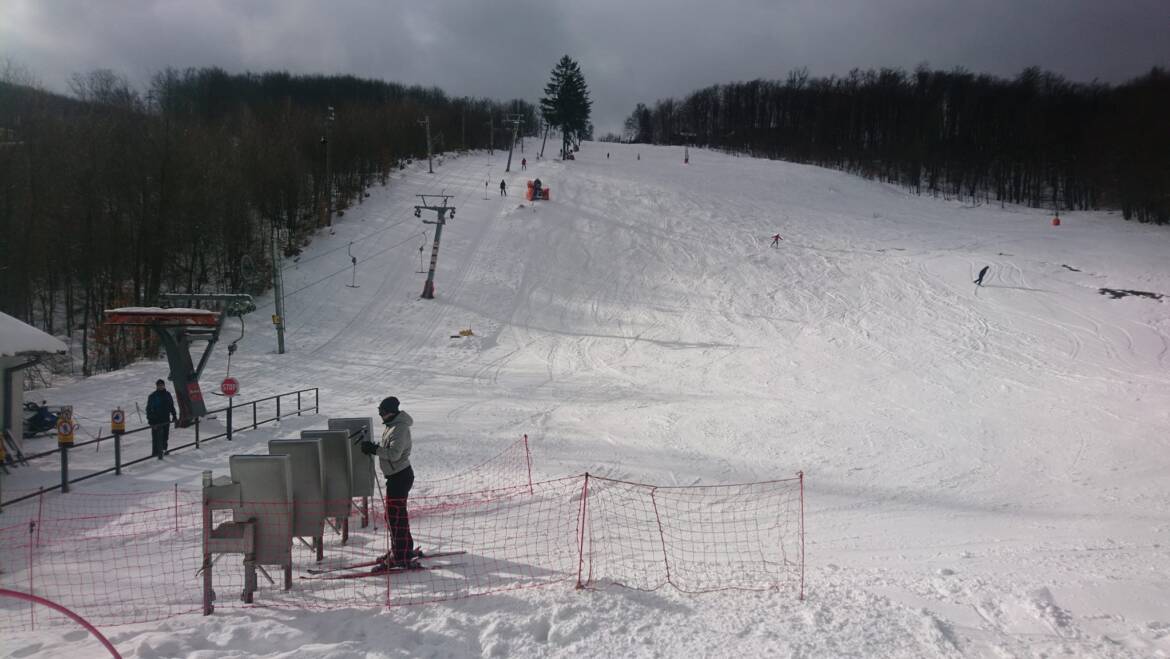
230 387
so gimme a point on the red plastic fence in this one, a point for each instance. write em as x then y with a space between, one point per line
697 539
33 599
117 559
510 468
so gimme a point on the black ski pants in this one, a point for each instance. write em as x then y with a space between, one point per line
397 518
160 434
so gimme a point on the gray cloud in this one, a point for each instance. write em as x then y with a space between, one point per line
630 51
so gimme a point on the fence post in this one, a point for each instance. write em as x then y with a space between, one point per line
32 618
298 403
278 407
118 454
40 512
801 475
196 432
661 535
176 508
65 468
581 531
528 457
229 419
254 424
316 400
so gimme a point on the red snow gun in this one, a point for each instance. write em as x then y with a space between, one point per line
536 192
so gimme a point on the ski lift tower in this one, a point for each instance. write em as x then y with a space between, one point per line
440 208
178 328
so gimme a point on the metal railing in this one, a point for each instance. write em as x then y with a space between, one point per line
231 409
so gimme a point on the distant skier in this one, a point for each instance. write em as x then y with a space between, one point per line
536 193
523 164
503 188
979 280
776 240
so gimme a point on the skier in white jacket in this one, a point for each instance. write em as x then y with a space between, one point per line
394 457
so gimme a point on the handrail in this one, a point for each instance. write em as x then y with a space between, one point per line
63 451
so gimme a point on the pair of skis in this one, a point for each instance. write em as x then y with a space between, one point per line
348 571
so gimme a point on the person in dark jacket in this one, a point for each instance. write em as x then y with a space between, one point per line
160 411
394 458
979 280
503 188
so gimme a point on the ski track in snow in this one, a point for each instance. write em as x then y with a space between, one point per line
986 467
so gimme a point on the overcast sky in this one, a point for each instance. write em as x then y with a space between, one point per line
630 50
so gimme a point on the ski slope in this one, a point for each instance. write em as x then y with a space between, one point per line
986 468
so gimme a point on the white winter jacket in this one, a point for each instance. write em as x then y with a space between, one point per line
394 451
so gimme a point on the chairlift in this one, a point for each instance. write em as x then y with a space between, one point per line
421 247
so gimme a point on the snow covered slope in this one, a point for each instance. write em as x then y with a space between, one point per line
986 468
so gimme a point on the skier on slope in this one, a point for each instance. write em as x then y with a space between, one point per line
503 188
979 280
394 458
776 240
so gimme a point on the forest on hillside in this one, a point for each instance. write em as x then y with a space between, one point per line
111 195
1037 139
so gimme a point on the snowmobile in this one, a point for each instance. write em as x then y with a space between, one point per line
38 419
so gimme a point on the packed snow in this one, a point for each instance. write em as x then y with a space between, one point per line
986 467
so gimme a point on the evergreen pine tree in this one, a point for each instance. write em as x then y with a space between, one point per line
566 103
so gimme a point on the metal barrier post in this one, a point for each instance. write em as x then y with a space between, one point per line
278 407
196 432
118 453
229 419
298 403
64 467
316 400
254 424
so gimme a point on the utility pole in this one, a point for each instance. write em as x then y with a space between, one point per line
278 294
440 208
515 120
491 135
687 147
430 162
329 117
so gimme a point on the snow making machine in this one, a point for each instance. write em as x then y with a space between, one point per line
537 191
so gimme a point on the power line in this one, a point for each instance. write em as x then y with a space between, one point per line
345 269
359 239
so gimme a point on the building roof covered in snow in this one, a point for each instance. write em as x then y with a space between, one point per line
17 337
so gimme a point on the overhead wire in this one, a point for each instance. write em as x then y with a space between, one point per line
409 238
447 175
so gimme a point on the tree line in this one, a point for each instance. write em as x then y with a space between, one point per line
1037 139
111 196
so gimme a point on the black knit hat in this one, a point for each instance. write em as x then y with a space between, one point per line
388 406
